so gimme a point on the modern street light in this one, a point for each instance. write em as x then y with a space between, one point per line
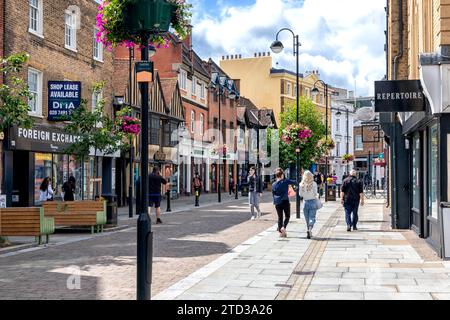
315 92
220 84
277 47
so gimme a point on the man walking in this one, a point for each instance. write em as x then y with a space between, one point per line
352 196
154 192
318 181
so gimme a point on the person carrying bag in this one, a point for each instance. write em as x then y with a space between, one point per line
308 191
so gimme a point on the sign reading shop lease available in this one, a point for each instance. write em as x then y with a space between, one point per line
399 96
64 97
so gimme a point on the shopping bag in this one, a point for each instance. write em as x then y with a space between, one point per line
291 192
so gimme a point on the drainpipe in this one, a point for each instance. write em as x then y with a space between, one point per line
400 32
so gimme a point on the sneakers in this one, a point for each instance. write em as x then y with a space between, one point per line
349 228
355 228
283 233
252 218
309 233
158 221
259 215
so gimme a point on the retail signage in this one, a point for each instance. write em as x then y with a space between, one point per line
64 97
144 71
40 138
399 96
2 200
160 156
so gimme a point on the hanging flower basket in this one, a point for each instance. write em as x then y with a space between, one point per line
327 144
296 134
121 22
348 157
130 125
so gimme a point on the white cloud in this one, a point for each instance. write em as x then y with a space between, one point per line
343 39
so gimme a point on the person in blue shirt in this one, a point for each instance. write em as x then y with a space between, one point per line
280 192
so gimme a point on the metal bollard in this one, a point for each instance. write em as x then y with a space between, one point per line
168 201
197 198
144 257
236 192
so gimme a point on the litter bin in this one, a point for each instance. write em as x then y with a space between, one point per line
332 193
111 209
244 189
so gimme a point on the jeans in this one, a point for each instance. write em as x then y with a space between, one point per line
351 206
253 199
309 212
284 207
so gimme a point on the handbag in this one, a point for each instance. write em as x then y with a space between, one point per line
291 192
319 204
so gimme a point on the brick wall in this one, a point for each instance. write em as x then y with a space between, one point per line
394 40
2 27
49 55
374 147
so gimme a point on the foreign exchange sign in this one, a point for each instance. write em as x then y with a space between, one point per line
399 96
64 97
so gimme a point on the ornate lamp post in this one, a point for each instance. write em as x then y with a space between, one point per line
315 92
277 47
219 85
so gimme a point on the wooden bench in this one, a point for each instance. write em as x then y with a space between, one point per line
26 222
77 213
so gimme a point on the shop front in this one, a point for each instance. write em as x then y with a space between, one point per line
39 152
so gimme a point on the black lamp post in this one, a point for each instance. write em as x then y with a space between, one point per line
315 91
219 84
277 47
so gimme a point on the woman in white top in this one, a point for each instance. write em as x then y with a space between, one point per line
308 190
46 191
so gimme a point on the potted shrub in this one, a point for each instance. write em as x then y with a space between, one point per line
122 22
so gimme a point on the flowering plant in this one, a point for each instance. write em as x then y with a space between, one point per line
129 125
348 157
327 144
111 25
296 134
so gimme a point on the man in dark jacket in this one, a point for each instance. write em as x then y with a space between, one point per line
154 192
352 196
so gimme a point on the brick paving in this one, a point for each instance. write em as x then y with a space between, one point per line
186 241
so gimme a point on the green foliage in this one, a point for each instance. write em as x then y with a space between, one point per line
310 117
94 128
14 94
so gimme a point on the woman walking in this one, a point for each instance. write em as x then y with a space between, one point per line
308 191
46 191
280 192
255 193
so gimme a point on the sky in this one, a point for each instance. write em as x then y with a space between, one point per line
343 39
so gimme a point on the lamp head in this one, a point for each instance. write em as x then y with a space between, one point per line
315 92
232 95
151 51
338 113
277 46
214 80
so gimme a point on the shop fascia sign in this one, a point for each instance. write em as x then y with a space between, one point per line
399 96
41 139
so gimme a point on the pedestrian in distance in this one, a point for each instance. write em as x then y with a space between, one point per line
308 191
155 181
255 193
280 193
352 197
198 184
46 191
318 181
69 189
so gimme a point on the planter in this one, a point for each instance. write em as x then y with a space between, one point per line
148 16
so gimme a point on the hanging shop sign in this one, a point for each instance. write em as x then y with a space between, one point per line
399 96
40 139
144 71
64 97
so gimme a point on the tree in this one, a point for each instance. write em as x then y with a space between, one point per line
14 97
95 130
310 133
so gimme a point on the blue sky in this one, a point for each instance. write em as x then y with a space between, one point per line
343 39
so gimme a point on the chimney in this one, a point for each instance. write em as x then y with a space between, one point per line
188 40
240 56
264 54
268 53
255 55
223 57
228 57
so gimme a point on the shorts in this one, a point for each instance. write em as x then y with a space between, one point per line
154 200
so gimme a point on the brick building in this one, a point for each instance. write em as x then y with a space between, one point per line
418 49
59 36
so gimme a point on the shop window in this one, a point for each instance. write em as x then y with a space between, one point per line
433 167
417 167
35 89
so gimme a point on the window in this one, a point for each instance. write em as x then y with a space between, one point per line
97 47
35 19
294 92
183 80
194 86
338 149
321 99
359 143
192 121
96 97
202 129
155 130
338 125
35 88
70 32
433 164
202 91
288 89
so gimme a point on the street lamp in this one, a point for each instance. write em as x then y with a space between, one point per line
220 84
277 47
315 92
268 114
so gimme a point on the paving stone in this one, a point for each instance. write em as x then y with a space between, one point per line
371 275
334 296
375 281
441 296
428 288
263 292
367 288
337 281
323 288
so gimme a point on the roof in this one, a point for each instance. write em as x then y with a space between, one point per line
172 97
279 71
248 113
